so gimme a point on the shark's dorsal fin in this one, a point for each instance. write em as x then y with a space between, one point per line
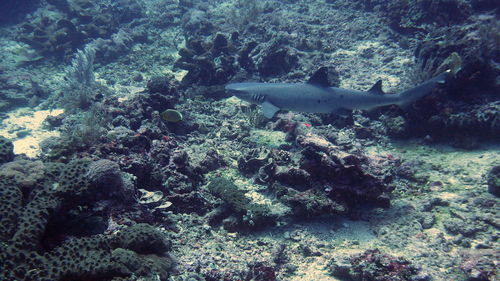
320 77
377 88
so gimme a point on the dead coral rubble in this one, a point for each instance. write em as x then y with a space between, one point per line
480 264
332 179
417 16
374 265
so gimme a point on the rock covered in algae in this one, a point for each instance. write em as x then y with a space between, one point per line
249 207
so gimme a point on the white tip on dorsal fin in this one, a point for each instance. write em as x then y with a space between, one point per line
377 88
269 109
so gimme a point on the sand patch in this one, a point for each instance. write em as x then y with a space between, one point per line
25 128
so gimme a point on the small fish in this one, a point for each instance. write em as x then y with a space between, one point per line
171 115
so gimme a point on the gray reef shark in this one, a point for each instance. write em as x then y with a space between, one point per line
316 97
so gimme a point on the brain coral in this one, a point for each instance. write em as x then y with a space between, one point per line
26 173
139 251
104 173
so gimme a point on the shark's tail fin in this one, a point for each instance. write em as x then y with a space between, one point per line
453 63
410 96
449 68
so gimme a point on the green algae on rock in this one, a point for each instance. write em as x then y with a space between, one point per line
266 138
253 208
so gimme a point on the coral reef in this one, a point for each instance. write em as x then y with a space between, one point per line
476 44
50 36
32 249
73 22
85 118
375 265
346 177
208 62
409 16
164 85
343 181
479 264
493 179
153 151
115 47
26 173
141 113
470 105
107 175
247 207
476 120
219 56
6 150
9 97
467 106
253 160
276 60
323 180
81 70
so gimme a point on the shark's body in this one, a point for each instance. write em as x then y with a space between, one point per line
316 98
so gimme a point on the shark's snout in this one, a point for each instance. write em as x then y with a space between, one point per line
234 90
237 87
232 87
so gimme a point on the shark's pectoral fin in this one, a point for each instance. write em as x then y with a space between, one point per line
269 109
